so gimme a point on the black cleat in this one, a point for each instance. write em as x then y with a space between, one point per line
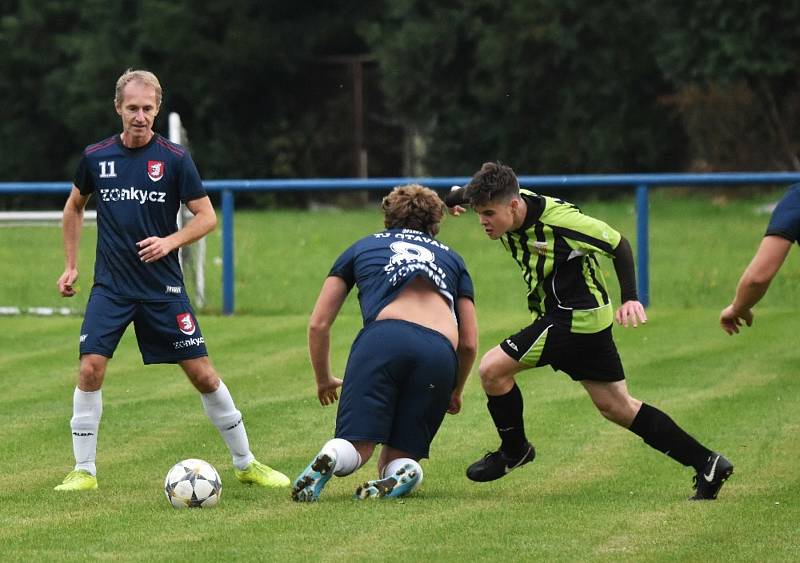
708 483
497 464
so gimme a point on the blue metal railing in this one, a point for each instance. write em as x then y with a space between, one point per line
641 182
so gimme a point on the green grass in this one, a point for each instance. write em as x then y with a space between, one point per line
594 492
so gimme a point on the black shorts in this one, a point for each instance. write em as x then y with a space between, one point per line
397 386
592 357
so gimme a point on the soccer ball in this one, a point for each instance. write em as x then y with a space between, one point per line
193 483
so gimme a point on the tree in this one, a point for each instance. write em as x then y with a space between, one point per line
734 63
34 140
248 79
550 86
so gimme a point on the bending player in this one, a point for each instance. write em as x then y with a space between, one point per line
409 363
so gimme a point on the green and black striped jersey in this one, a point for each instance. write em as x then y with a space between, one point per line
555 248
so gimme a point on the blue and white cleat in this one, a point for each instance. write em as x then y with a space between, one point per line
309 484
398 484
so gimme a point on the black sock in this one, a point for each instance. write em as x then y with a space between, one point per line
506 411
659 431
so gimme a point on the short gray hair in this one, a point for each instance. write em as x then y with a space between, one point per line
143 76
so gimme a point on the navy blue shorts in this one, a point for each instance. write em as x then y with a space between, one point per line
397 386
591 357
167 331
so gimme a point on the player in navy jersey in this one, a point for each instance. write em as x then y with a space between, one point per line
139 180
409 363
555 246
782 232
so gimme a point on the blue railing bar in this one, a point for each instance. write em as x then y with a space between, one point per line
526 181
314 184
717 178
35 187
643 244
227 253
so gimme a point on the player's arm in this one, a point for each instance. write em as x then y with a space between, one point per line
203 222
329 303
467 349
455 200
631 310
754 282
72 222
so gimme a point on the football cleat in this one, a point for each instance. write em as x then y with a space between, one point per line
498 464
309 484
78 480
708 482
256 473
398 484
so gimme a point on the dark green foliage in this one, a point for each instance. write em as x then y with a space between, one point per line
266 89
739 56
548 86
250 81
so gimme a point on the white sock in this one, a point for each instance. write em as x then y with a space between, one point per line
87 408
395 464
223 414
346 455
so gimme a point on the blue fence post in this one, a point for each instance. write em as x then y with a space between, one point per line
642 244
227 252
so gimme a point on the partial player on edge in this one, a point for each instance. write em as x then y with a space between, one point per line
782 232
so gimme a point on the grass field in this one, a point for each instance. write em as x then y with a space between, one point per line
595 492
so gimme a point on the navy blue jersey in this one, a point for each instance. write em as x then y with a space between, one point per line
380 265
139 192
785 220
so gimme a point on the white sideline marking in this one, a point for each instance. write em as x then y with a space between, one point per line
38 311
17 218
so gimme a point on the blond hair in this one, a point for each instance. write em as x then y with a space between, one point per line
143 76
413 207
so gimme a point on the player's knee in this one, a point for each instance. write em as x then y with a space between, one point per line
203 376
206 382
616 411
606 408
91 374
491 373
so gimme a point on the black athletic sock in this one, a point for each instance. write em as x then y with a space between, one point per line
659 431
506 411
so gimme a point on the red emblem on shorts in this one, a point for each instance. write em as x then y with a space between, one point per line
155 170
186 323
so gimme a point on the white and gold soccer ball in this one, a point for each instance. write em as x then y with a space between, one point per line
193 483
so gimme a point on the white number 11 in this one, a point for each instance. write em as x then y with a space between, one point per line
107 169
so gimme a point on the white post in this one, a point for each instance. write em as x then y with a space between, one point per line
191 257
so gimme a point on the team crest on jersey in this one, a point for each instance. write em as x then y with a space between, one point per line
155 170
540 248
186 323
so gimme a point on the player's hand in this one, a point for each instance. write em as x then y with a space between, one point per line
631 312
730 320
328 391
154 248
456 210
66 283
455 403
